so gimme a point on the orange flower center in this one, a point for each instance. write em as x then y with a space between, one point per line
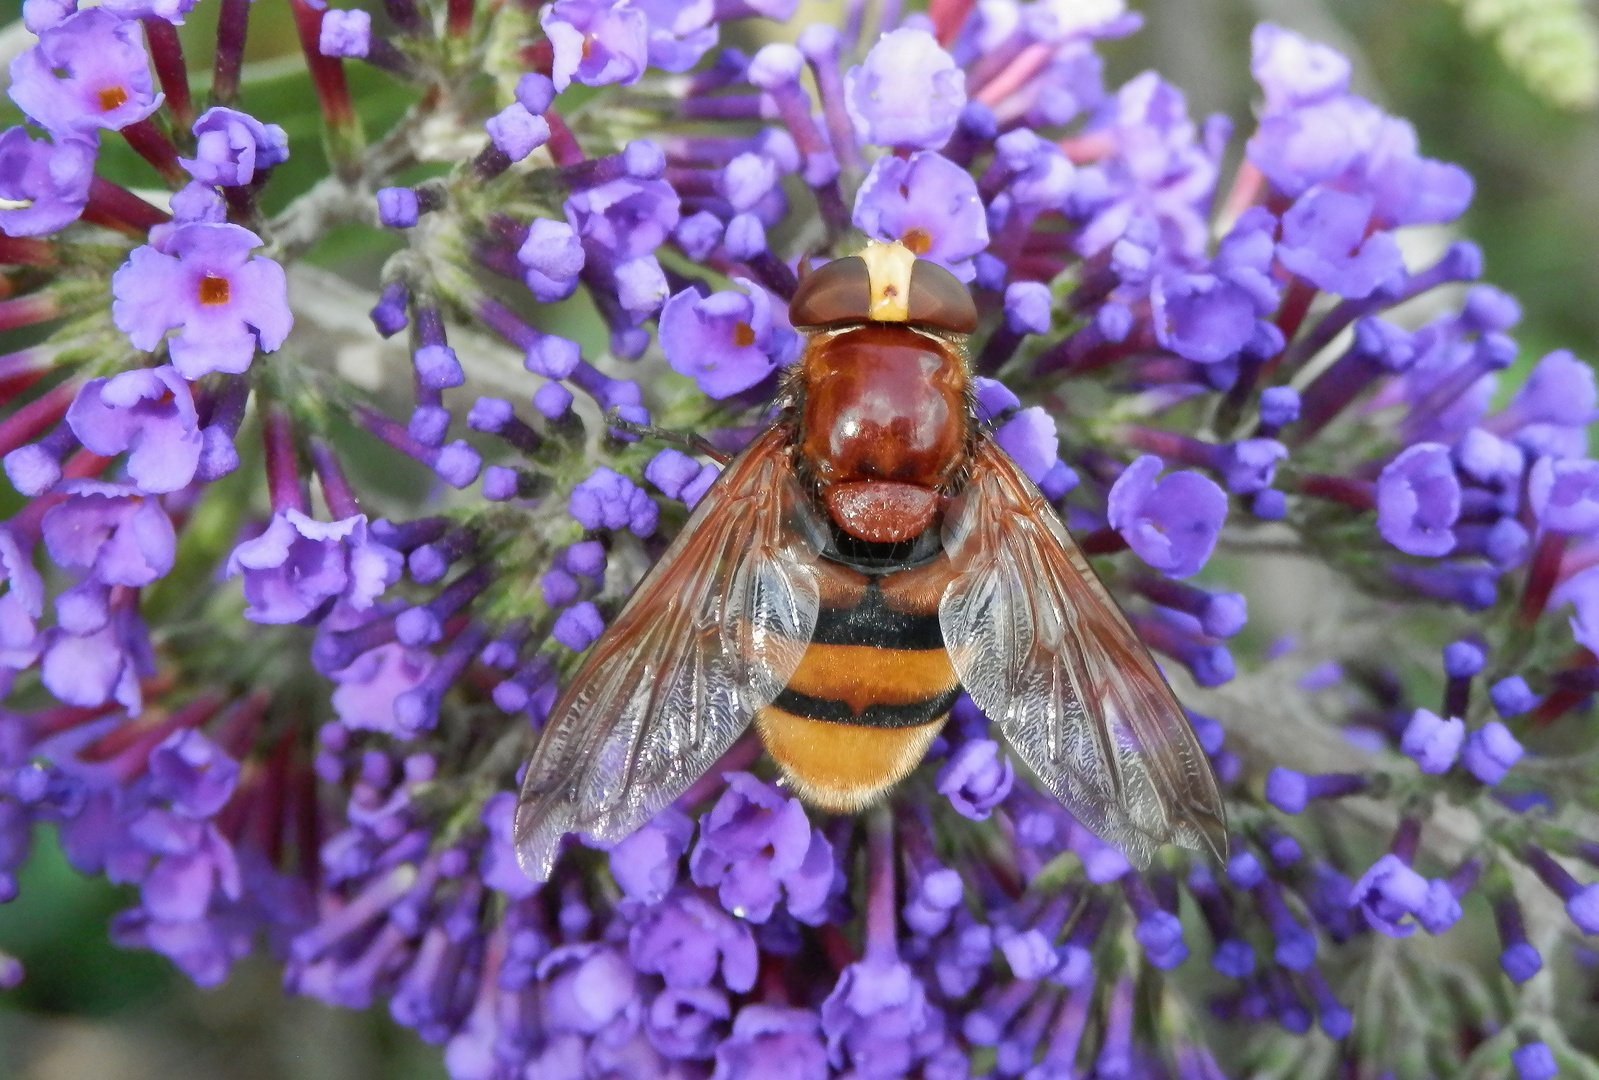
112 97
214 290
743 336
918 241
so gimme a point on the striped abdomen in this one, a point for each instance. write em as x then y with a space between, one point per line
872 690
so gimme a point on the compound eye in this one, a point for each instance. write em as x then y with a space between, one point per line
939 300
837 292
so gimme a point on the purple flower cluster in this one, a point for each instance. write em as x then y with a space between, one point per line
972 923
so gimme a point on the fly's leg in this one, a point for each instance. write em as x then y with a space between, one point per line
689 440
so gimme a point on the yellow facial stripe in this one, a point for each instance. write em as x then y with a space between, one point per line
888 268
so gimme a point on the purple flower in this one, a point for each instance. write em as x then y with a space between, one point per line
687 1023
345 33
725 342
680 476
1038 177
398 207
1173 524
1279 406
229 146
994 398
1490 751
1202 317
1287 790
1418 500
1029 438
1293 71
1534 1061
516 132
1250 465
148 413
1411 189
500 869
194 774
929 204
1028 307
878 1019
1583 908
1559 391
754 845
223 301
23 601
552 256
1463 659
624 219
1521 961
976 778
1159 176
578 626
1432 741
772 1043
1161 935
685 940
596 42
1388 892
87 73
609 500
298 564
173 11
1512 696
51 178
1325 241
908 94
1565 494
113 532
92 668
1314 132
681 32
747 180
645 862
589 985
1441 910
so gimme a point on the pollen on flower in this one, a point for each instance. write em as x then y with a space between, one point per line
112 97
920 241
214 290
743 335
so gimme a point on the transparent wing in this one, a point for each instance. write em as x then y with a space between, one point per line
713 632
1043 649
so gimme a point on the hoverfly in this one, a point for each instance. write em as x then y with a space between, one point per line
866 557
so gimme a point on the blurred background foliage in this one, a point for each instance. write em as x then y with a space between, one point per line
1506 88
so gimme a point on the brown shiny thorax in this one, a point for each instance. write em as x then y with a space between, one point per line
883 426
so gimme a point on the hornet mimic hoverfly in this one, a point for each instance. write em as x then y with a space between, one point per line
864 559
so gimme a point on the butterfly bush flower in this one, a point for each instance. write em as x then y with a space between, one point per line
50 177
908 93
87 73
725 342
1172 523
224 302
1256 384
230 146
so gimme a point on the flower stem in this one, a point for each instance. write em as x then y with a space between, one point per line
233 25
115 207
149 143
166 54
344 137
336 491
1542 576
880 914
282 467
